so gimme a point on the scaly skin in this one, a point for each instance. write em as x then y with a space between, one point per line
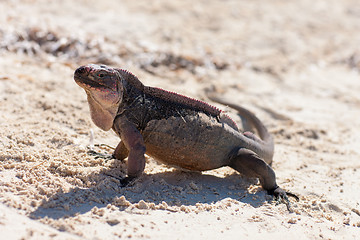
175 129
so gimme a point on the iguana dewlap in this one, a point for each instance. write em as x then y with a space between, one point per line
174 129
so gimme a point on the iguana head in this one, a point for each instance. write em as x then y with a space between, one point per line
104 91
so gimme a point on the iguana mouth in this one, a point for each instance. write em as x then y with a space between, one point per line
89 83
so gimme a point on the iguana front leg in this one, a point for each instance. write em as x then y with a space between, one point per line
250 164
134 143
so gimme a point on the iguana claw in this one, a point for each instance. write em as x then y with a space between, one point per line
281 196
100 155
123 181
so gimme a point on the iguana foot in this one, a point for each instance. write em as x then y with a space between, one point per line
126 181
123 181
281 196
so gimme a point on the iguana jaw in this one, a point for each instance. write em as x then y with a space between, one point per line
104 91
88 83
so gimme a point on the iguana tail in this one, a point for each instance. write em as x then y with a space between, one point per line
250 120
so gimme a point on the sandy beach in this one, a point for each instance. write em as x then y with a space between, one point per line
295 64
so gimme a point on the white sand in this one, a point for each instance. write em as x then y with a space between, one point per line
294 63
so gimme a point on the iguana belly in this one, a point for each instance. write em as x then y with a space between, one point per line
195 143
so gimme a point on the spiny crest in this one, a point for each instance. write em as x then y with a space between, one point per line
131 78
184 100
188 101
126 71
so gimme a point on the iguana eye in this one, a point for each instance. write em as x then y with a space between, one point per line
101 75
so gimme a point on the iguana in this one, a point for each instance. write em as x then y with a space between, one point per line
175 129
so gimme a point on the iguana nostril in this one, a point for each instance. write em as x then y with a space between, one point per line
81 70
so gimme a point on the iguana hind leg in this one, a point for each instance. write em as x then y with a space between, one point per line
250 164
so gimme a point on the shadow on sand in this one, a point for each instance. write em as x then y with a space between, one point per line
175 187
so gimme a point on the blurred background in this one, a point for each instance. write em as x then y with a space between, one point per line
294 63
200 37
